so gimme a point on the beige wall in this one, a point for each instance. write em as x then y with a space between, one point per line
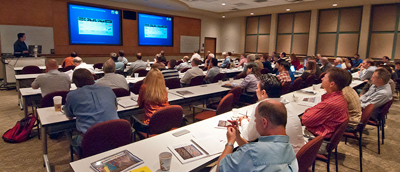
232 33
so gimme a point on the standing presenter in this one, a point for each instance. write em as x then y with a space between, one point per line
20 48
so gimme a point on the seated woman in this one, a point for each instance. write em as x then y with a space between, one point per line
266 63
250 82
153 94
295 61
311 69
158 63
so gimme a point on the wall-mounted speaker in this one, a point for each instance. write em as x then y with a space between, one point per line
130 15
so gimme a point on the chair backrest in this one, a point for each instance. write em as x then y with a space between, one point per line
264 71
121 72
285 87
296 85
218 77
205 68
366 114
307 154
179 62
105 136
309 81
337 135
136 87
47 100
165 119
31 69
225 105
198 80
121 92
173 83
240 75
72 67
320 77
236 91
98 66
385 109
228 65
142 72
185 69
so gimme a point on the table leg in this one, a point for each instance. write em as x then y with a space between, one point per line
46 161
25 106
19 94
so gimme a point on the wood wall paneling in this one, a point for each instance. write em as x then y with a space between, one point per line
384 18
264 25
397 55
350 19
285 23
251 43
347 44
263 44
300 44
328 20
381 45
252 25
27 12
302 22
283 43
326 44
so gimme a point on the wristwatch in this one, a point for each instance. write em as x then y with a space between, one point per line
229 144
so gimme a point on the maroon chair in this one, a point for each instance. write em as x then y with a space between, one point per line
332 145
47 100
296 85
357 134
307 154
228 66
285 88
104 136
205 68
309 81
380 124
72 67
198 80
264 71
142 72
240 75
218 77
179 62
237 92
31 69
98 66
136 87
165 119
225 105
185 69
121 92
173 83
320 77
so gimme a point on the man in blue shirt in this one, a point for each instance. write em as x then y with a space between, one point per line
20 48
272 152
90 103
357 61
226 61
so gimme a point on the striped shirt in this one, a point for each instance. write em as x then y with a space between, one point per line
284 77
324 118
170 73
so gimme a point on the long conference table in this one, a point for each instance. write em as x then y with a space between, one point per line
149 149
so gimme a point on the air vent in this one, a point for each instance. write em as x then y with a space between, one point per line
240 4
235 9
259 1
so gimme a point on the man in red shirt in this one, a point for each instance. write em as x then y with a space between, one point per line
68 60
324 118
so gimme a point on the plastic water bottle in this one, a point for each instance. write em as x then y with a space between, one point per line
35 51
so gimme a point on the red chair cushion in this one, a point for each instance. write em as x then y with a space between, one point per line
205 115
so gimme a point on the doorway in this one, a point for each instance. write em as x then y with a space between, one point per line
210 44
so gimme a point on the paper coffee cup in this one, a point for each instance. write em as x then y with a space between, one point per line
57 100
165 161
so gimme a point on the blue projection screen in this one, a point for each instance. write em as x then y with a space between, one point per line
94 26
155 30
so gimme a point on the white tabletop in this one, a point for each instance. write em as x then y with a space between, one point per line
27 76
356 75
134 80
30 91
41 67
204 89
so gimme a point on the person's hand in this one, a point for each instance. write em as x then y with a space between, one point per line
231 135
234 123
227 85
243 117
24 51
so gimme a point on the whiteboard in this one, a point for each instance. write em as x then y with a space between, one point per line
190 44
35 35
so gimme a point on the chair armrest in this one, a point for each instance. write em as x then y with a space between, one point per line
138 120
200 107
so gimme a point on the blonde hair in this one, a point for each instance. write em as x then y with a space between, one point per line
156 91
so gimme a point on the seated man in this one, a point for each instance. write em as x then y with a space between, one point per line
379 93
53 80
158 63
213 71
367 69
119 66
195 55
171 72
324 118
184 64
68 61
269 87
283 69
353 105
138 64
191 73
226 61
272 152
356 63
90 103
338 62
369 83
111 79
80 64
122 58
325 64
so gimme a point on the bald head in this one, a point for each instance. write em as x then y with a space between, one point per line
274 111
77 61
51 64
109 66
324 60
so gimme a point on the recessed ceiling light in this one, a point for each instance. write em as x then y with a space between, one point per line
223 3
251 13
334 5
287 9
223 16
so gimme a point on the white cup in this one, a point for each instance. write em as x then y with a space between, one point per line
136 75
295 98
219 82
128 77
235 113
57 100
316 87
165 161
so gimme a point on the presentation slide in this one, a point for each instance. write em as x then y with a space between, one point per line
95 26
155 30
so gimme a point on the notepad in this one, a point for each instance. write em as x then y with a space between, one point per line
184 92
127 103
